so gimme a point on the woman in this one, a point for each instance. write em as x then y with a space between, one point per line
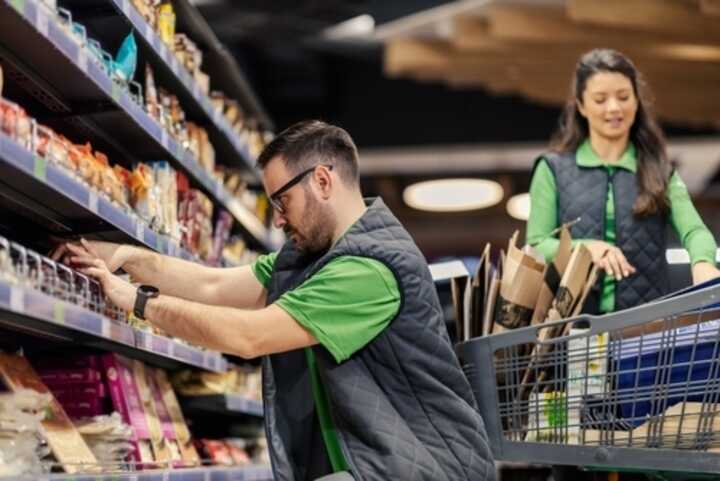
608 166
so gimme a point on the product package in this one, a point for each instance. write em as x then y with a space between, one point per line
127 401
188 452
109 438
65 441
22 447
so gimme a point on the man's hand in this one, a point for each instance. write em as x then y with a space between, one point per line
113 255
120 292
611 259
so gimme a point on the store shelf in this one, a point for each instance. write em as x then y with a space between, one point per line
30 311
226 74
249 473
179 80
225 404
66 80
52 193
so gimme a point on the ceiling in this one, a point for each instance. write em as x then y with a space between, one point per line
391 87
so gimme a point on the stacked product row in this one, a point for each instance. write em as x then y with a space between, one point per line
89 413
160 15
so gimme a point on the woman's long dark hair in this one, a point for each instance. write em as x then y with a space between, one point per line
654 167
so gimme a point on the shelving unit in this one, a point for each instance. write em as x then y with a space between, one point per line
225 404
59 76
62 85
252 473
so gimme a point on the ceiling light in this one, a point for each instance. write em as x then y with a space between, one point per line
519 206
453 195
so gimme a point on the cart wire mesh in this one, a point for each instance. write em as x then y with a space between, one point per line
582 390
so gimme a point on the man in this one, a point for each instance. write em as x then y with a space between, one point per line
359 374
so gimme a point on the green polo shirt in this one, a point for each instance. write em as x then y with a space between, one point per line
694 235
344 305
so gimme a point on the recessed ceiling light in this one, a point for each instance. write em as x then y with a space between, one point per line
519 206
453 195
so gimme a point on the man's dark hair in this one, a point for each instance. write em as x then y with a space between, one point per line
313 142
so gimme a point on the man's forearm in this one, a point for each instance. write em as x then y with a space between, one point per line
213 327
173 276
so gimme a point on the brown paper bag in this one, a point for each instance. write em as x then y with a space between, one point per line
552 276
519 288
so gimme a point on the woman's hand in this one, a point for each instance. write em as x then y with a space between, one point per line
610 259
704 271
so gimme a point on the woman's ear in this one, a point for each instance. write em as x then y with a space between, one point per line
580 107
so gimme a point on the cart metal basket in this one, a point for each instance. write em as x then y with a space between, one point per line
636 389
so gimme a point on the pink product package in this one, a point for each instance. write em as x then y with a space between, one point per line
87 361
80 392
162 411
81 409
54 377
126 400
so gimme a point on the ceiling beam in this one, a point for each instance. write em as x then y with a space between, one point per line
666 16
710 7
504 27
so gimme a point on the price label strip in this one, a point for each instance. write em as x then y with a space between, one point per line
59 312
39 168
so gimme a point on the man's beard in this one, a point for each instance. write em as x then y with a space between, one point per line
318 223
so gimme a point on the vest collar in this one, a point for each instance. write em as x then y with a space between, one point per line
586 157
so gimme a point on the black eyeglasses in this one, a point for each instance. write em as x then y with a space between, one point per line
275 196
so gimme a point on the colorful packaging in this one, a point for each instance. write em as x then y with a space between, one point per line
166 22
127 401
142 193
64 440
161 452
187 450
63 377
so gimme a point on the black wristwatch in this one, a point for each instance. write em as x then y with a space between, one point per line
144 293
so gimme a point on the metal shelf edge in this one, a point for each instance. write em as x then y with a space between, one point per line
29 302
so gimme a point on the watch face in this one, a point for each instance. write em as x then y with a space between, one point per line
149 290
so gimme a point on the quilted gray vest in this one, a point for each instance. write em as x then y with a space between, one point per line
401 405
582 192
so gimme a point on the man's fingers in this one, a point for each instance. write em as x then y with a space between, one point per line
58 253
89 247
84 261
77 249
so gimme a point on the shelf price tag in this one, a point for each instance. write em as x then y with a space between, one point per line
17 299
164 140
81 59
115 92
41 20
18 5
59 312
140 230
149 33
93 201
39 168
179 151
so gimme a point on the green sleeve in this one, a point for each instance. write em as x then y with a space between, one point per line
543 211
345 304
263 268
690 228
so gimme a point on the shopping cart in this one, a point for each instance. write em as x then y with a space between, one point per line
637 389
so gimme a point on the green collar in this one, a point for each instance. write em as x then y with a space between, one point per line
586 157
